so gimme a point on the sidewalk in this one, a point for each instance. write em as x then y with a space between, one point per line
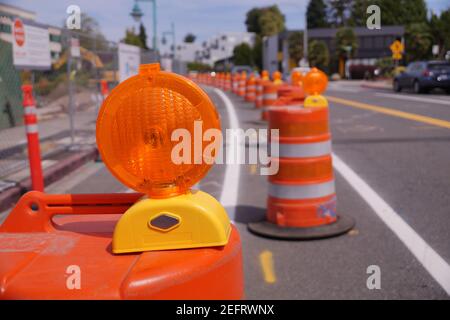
59 156
377 84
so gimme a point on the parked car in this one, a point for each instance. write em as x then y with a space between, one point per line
423 76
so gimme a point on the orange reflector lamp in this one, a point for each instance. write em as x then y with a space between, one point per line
135 127
314 83
276 75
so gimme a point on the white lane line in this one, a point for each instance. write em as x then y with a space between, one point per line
436 266
230 188
74 178
409 98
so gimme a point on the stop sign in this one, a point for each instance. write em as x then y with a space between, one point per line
19 32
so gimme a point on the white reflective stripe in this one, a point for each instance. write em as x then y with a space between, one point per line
304 150
29 110
251 87
301 192
259 97
270 96
259 88
31 128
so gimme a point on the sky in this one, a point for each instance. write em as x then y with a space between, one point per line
203 18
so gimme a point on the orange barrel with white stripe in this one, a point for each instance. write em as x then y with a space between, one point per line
269 99
227 86
302 200
250 90
235 83
259 93
242 84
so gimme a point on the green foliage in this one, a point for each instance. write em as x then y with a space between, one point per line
318 54
243 55
189 38
265 21
440 30
132 38
91 36
418 41
316 14
143 36
197 66
339 12
295 42
346 38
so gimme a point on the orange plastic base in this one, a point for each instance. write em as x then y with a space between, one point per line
302 213
38 248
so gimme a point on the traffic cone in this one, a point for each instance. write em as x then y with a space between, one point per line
242 84
250 90
302 202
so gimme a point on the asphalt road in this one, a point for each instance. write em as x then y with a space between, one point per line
404 160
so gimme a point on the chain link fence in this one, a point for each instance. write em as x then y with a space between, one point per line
67 97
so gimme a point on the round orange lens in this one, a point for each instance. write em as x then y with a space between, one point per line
276 75
135 126
315 82
296 77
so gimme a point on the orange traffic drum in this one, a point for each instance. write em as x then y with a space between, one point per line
59 247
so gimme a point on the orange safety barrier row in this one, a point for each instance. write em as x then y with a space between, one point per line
47 239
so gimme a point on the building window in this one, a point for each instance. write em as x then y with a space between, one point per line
55 38
5 28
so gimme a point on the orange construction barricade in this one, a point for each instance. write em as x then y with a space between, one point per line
127 246
302 201
242 84
250 90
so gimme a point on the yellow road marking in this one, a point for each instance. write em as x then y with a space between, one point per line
266 260
392 112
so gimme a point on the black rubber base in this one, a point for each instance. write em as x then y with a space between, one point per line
266 229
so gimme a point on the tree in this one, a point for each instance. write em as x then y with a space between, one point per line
440 30
243 55
339 12
143 36
271 21
91 36
189 38
295 46
265 21
418 41
316 14
132 38
358 15
346 42
318 54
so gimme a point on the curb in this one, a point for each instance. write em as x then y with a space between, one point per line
51 174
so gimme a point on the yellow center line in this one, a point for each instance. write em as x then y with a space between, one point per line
266 260
392 112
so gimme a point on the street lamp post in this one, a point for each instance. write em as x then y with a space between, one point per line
172 33
137 14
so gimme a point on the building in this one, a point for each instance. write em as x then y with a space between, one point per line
187 51
7 15
372 45
221 46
